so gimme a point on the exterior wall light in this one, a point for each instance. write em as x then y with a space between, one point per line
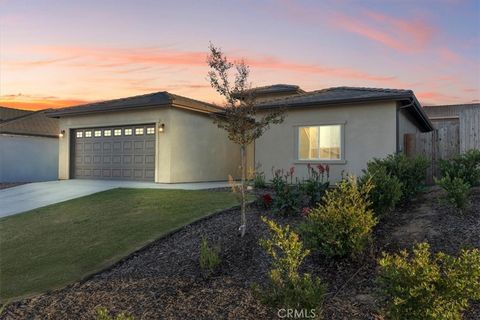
61 134
161 128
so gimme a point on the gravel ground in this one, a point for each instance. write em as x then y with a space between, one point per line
163 280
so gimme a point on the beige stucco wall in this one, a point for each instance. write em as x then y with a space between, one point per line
191 149
406 124
369 131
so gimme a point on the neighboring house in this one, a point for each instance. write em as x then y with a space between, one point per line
28 146
164 137
446 115
344 127
158 137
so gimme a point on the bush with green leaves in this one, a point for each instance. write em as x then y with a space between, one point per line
287 288
465 166
103 314
287 197
411 172
387 189
429 287
209 258
316 184
458 191
342 226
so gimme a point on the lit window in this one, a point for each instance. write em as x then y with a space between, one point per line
117 132
128 132
107 133
98 133
79 134
88 134
320 142
138 131
150 130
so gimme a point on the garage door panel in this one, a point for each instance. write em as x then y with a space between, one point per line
125 152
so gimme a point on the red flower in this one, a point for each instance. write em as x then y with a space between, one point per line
267 199
306 211
292 170
320 168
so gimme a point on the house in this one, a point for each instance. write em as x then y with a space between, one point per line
158 137
343 127
167 138
28 146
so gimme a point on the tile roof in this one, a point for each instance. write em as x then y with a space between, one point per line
155 99
31 124
277 88
9 113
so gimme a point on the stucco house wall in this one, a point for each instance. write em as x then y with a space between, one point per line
406 124
191 149
28 158
369 130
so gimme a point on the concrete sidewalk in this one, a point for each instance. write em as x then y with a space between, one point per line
39 194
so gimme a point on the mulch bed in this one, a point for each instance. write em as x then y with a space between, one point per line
164 281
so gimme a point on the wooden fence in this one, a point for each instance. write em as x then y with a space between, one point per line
445 142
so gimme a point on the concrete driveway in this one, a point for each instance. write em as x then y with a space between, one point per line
39 194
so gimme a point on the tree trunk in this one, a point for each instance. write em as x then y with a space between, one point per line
243 226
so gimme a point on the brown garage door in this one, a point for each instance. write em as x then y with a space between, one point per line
120 153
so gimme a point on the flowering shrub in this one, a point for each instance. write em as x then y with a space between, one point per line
458 191
266 200
314 186
429 288
287 288
343 224
287 198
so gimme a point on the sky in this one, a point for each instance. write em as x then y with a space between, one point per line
62 53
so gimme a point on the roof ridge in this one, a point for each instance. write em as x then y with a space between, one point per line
9 121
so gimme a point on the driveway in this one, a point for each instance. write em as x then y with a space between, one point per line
39 194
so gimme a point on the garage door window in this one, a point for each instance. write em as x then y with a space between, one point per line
128 132
88 134
79 134
107 133
150 130
117 132
138 131
98 133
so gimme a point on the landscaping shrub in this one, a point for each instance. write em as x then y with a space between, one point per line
458 191
287 199
314 186
387 189
425 287
103 314
258 178
343 224
265 200
411 172
287 288
465 167
209 258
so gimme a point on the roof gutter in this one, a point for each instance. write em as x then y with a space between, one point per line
413 103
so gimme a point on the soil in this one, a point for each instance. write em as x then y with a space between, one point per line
164 281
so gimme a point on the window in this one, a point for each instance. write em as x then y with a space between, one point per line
88 134
150 130
79 134
107 133
320 142
117 132
138 131
98 133
128 132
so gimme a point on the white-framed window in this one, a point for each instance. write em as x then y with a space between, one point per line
98 133
88 134
107 133
128 132
138 131
79 134
321 142
117 132
150 130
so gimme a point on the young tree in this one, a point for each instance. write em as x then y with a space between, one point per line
239 115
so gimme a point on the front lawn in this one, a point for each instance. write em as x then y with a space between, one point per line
51 246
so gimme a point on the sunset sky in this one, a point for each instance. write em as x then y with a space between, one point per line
61 53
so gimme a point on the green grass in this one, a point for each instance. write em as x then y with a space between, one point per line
52 246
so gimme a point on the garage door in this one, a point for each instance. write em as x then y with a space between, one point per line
120 153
